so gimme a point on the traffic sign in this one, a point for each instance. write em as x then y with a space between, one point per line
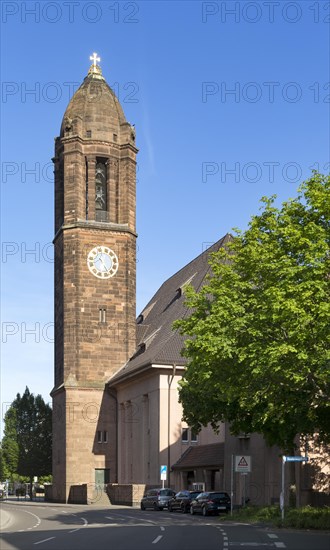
242 464
163 473
295 458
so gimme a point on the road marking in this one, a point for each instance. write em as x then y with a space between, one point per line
271 536
279 544
44 540
162 528
269 544
157 539
78 528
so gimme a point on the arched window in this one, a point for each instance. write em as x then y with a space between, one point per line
100 186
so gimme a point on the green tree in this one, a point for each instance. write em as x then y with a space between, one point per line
9 443
4 472
258 332
32 434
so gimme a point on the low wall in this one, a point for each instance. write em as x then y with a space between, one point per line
126 494
77 494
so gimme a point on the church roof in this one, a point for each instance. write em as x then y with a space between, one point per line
157 342
201 456
96 106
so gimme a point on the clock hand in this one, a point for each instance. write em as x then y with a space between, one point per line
105 267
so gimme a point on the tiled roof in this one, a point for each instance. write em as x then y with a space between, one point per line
201 456
157 342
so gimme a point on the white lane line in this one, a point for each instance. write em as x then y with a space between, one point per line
78 528
256 544
162 528
44 540
109 517
271 536
157 539
31 514
279 544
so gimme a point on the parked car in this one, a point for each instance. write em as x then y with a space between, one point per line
211 502
181 501
156 498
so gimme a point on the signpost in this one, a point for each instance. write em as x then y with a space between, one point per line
163 474
284 460
242 465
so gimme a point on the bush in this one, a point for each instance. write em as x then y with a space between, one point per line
298 518
308 518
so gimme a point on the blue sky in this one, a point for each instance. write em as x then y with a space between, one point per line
230 101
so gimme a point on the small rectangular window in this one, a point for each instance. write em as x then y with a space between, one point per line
193 437
99 436
89 133
102 315
105 437
115 137
184 435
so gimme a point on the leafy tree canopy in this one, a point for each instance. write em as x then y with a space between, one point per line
258 333
27 442
9 445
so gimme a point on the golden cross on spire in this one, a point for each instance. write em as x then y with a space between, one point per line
94 58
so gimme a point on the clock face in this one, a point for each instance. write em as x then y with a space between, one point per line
102 262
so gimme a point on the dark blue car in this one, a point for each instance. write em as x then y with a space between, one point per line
211 502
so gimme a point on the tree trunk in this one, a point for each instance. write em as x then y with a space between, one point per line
31 486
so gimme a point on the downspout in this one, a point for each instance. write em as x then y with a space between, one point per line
170 378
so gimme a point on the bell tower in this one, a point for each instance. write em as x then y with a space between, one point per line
95 274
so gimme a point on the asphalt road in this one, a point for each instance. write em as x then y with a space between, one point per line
47 526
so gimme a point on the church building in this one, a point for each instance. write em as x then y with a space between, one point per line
116 415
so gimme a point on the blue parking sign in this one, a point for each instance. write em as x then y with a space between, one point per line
163 473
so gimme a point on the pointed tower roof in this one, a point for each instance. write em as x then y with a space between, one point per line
94 111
